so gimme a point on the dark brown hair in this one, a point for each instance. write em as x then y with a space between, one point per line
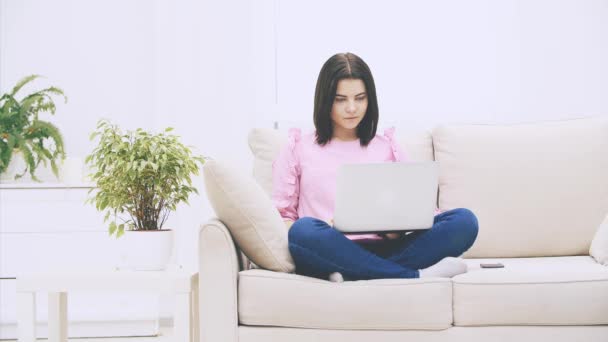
344 66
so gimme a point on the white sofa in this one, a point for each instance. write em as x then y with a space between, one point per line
540 192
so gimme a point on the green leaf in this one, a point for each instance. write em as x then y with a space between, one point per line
121 232
112 228
23 82
103 204
54 168
28 102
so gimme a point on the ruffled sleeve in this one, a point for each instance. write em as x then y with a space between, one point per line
399 154
286 178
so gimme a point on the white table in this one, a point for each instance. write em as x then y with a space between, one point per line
183 285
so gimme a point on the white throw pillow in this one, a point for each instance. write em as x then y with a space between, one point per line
250 215
599 245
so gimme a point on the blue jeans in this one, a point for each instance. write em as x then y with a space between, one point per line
318 249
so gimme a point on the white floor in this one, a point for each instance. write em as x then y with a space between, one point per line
165 336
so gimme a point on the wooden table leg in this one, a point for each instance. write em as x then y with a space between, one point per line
181 324
58 317
26 316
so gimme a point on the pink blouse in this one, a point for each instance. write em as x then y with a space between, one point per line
304 173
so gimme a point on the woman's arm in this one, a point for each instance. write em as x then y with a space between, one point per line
286 180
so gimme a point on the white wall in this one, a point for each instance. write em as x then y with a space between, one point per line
99 52
214 69
453 61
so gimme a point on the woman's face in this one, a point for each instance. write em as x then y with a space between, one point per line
350 106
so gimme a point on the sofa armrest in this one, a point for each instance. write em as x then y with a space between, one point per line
219 262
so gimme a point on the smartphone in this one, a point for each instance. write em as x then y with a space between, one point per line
494 265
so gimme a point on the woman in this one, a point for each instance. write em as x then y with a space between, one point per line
304 179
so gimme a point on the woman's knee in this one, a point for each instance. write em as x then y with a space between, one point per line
468 226
303 231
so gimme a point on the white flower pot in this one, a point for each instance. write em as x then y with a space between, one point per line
145 250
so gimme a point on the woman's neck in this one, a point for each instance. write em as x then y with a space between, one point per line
345 135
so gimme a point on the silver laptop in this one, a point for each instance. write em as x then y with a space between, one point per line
385 197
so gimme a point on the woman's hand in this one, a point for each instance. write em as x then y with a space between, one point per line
392 236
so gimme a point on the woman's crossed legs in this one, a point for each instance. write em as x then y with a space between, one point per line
319 250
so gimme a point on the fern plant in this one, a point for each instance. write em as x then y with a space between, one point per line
140 177
22 131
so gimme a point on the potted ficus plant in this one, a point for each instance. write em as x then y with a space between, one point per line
25 140
140 178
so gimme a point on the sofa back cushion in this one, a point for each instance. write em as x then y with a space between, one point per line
255 224
537 189
265 144
599 245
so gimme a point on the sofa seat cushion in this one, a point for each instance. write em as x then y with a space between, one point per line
532 291
267 298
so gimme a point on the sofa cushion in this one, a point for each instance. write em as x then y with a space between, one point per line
537 189
252 219
265 144
596 333
599 245
532 291
288 300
